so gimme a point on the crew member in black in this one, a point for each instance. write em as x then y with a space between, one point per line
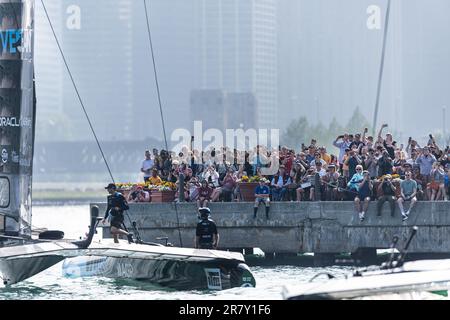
207 236
116 206
386 192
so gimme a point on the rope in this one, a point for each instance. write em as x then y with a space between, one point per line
77 92
178 224
155 71
380 76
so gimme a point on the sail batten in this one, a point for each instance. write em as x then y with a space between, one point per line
17 115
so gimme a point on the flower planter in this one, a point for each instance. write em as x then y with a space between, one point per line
162 196
248 190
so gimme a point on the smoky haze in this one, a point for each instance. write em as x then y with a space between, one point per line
317 59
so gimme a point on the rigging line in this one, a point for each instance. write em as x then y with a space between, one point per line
77 92
155 70
178 224
156 73
380 76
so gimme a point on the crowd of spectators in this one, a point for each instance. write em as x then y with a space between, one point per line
364 169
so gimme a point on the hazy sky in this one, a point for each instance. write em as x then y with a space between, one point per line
326 55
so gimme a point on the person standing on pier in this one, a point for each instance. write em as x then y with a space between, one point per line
206 236
116 206
147 166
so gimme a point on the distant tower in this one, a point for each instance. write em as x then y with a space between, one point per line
239 52
49 65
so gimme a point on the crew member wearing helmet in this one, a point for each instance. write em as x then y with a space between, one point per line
207 236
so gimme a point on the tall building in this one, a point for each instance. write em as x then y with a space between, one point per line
239 51
99 52
49 70
209 107
221 110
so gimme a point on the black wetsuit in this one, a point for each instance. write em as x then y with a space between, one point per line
116 200
205 230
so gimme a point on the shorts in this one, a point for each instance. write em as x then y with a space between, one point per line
434 185
362 196
263 200
117 222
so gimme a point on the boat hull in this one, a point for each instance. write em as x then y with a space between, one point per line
176 274
17 270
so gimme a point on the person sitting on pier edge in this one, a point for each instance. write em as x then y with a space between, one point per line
280 183
206 236
386 192
262 194
331 180
408 193
364 195
116 206
204 195
353 184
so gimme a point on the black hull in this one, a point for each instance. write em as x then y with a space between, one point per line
175 274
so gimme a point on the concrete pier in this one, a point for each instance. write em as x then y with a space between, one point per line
324 228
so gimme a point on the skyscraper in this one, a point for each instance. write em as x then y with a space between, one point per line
239 51
49 70
99 52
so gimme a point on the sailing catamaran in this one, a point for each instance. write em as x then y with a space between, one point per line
22 255
426 279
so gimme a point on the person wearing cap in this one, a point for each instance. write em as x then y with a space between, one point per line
386 192
206 235
362 200
116 206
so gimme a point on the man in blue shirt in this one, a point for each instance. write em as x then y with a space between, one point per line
262 194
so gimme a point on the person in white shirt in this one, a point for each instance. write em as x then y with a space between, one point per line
211 172
147 166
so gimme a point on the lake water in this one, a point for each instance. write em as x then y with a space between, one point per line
74 221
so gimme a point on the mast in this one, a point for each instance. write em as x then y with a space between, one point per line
17 115
380 75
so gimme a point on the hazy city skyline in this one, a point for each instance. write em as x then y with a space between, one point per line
326 63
